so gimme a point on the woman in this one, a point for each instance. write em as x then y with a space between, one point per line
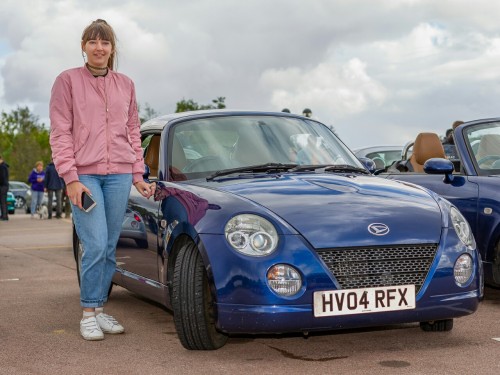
96 148
36 179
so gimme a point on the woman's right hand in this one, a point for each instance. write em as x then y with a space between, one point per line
74 192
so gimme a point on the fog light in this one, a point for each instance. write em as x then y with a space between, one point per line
284 280
463 269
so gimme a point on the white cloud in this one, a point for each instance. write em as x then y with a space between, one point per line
379 71
343 90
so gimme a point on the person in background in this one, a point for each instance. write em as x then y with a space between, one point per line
93 110
4 188
36 179
54 186
449 142
66 202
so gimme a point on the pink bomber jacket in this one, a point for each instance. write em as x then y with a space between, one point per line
94 125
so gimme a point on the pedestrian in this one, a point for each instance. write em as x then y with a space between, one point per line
36 179
96 146
4 188
66 202
54 187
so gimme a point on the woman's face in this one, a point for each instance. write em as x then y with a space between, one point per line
98 52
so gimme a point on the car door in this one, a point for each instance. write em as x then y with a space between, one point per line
137 249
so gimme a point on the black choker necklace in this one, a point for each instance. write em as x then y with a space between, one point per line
96 68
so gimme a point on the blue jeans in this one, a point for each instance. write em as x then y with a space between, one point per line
36 200
99 231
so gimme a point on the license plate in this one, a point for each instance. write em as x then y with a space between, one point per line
364 301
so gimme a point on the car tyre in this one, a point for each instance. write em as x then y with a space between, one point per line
193 302
78 253
496 267
20 202
437 325
143 244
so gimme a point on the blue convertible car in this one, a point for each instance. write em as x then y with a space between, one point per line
267 223
470 181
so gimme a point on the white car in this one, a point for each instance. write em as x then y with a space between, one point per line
383 156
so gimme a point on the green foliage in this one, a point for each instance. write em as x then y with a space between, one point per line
23 141
190 105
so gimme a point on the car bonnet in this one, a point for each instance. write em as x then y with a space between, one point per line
339 211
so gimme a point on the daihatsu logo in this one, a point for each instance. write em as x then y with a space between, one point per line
378 229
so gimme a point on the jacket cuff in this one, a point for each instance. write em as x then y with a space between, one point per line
70 177
137 177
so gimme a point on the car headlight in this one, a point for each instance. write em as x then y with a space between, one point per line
462 228
251 235
463 269
284 280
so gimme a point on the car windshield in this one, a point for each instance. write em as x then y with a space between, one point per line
484 144
200 147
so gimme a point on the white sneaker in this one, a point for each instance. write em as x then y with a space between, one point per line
108 324
90 330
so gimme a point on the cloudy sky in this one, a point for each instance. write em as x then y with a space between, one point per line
379 71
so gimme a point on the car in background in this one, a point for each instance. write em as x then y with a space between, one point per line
45 200
11 203
382 156
470 182
244 239
21 191
133 227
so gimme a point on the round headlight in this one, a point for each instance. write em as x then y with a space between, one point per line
251 235
462 228
284 280
463 269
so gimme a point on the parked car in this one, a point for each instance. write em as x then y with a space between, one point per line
471 183
11 203
21 191
45 201
383 156
243 239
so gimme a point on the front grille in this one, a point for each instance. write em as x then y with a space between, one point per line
367 267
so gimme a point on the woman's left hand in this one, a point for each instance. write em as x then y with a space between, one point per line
145 189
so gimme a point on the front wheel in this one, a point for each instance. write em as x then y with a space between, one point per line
193 303
437 325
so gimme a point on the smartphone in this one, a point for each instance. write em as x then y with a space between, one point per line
88 203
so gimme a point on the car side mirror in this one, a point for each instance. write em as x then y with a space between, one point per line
440 166
368 164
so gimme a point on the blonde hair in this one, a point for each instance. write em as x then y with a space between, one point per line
100 29
39 163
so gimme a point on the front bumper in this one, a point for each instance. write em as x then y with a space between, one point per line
300 318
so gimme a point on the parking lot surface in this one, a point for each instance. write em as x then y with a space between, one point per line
40 312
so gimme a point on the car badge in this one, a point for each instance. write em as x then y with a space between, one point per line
378 229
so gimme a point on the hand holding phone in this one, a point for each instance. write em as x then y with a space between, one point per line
88 203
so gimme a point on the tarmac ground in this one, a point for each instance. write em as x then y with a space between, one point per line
40 313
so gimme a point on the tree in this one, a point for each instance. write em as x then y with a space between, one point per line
190 105
23 141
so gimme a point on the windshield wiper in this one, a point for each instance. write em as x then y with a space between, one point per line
342 168
268 168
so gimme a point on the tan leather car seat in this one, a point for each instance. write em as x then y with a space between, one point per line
427 146
489 145
152 156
